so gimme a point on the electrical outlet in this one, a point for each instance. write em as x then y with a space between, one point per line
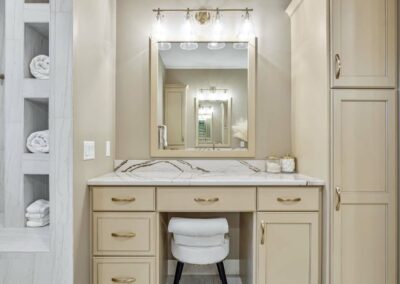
108 149
89 150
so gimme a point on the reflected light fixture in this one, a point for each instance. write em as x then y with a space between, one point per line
216 45
240 45
163 46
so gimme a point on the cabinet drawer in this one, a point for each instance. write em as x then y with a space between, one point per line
123 270
211 199
123 234
123 199
289 199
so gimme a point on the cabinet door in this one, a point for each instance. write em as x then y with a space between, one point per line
288 248
364 176
363 39
175 97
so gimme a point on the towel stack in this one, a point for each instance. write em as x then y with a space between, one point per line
37 213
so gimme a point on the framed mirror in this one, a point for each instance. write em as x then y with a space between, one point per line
203 98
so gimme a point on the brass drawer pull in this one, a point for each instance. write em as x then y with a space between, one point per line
123 280
206 200
123 235
338 66
339 198
288 200
262 232
123 199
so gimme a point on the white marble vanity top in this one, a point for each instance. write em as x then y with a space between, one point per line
198 173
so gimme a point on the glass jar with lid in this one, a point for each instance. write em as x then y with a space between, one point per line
288 164
273 164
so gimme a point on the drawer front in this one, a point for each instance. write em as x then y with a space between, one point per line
207 199
124 234
289 199
123 270
123 199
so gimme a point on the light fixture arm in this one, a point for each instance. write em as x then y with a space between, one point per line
188 10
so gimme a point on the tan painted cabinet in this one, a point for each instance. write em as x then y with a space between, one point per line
364 185
288 248
363 39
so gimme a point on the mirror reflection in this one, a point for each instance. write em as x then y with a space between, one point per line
202 96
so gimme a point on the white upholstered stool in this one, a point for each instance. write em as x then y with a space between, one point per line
199 241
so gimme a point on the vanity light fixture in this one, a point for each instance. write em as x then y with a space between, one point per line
159 31
213 94
246 29
188 32
204 16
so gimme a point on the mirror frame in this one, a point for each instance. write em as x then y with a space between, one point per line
251 108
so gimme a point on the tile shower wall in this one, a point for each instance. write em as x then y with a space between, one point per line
272 26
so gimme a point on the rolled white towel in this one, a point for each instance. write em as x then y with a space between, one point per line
38 222
39 206
38 142
36 215
40 67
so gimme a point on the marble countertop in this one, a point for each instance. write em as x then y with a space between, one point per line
198 173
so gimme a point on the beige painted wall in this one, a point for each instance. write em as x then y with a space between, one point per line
94 112
272 27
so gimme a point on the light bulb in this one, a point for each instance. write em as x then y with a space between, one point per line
187 27
246 30
217 25
163 46
159 31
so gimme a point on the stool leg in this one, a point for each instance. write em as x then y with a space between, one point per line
178 272
221 271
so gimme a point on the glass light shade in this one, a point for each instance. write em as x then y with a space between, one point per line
159 30
164 46
246 30
189 46
216 45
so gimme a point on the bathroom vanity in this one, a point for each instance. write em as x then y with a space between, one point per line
275 220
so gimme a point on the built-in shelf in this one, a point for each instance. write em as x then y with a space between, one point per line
36 42
36 89
36 117
25 240
37 12
35 164
35 187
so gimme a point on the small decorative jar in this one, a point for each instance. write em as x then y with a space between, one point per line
288 164
273 165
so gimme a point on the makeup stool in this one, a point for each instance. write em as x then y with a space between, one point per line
199 242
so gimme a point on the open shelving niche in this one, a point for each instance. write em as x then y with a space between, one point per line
35 167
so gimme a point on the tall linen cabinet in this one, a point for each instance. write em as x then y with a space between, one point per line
344 98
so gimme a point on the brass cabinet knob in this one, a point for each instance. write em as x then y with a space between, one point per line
289 200
123 280
123 199
123 235
206 200
339 198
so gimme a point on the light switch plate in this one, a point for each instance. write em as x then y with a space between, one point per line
89 150
108 149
